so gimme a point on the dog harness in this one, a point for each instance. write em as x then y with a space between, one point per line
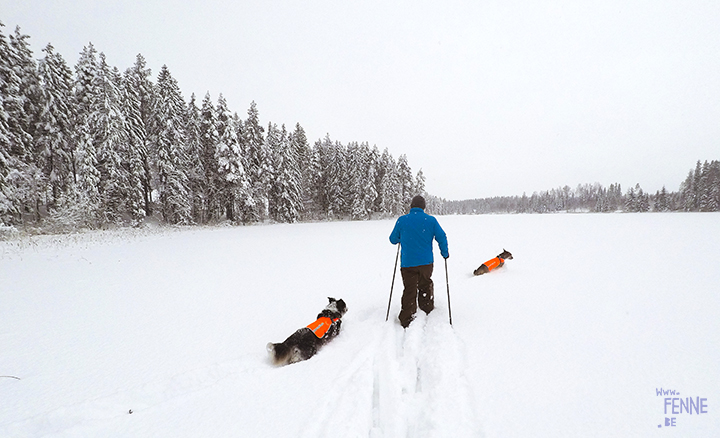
321 326
493 263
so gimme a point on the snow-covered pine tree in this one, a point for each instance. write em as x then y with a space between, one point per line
209 139
406 181
26 69
615 197
714 186
6 205
318 178
54 146
356 175
376 160
704 187
391 189
83 201
631 202
687 193
299 143
246 205
286 189
232 178
420 183
272 146
258 165
171 160
23 182
661 200
195 170
19 90
120 199
363 191
643 200
369 189
129 151
601 206
336 183
138 112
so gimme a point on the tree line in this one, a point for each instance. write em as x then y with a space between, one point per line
700 191
97 146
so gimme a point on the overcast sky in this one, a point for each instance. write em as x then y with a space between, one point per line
487 97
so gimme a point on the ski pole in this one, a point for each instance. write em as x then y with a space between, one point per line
447 282
393 282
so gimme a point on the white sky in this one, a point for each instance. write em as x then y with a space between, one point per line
487 97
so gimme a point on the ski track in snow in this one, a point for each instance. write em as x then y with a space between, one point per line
404 383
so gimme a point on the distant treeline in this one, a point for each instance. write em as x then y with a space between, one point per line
699 192
98 147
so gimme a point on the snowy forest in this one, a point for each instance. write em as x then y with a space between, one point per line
699 192
100 147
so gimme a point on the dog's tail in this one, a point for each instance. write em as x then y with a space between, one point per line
280 354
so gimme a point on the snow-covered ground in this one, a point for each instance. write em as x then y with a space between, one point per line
572 338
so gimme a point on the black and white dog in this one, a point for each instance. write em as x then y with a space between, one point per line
305 342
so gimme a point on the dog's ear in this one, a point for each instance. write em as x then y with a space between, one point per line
331 300
341 306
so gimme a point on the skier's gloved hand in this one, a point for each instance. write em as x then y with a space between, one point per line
446 256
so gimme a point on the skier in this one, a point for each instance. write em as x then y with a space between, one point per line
415 232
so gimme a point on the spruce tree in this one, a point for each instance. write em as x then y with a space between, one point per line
369 190
643 201
356 173
231 172
171 160
301 149
391 189
85 197
16 64
714 186
258 165
661 200
704 188
697 189
336 182
287 182
118 196
317 180
246 205
209 139
54 132
139 93
687 193
405 177
631 204
195 170
420 183
6 205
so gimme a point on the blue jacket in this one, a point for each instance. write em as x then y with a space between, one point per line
415 232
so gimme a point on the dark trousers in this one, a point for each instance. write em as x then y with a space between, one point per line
418 292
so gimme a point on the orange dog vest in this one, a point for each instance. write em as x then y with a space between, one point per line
493 263
321 326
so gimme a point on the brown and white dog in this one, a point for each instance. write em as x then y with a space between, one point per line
493 263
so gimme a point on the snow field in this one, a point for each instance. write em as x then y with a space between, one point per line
571 338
